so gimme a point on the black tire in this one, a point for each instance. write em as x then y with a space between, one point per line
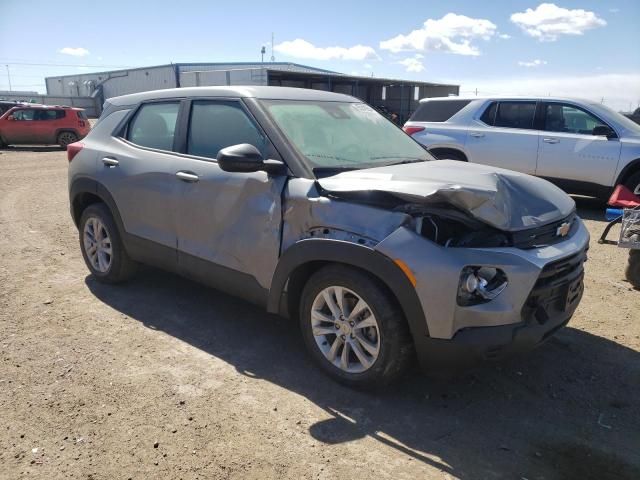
632 272
65 138
396 344
633 183
121 267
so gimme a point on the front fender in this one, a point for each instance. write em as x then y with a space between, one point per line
310 250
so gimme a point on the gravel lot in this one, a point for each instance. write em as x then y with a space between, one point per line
163 378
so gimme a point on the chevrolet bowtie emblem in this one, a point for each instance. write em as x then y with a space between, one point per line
563 229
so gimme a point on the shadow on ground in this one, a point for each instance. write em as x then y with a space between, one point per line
567 410
32 148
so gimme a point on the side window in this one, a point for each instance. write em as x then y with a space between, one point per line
489 115
49 114
154 125
24 115
515 114
216 125
567 118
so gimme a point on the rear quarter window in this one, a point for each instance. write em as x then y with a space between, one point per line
438 111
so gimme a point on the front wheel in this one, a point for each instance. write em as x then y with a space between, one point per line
353 328
633 183
66 138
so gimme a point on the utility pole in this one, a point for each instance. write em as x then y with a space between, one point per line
9 77
262 52
476 91
273 58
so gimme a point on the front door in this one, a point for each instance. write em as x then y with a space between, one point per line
504 136
569 152
228 223
22 129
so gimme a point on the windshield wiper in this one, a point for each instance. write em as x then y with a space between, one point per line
402 161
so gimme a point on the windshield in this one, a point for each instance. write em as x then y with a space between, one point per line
618 117
336 135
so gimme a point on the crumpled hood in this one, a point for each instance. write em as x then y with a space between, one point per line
504 199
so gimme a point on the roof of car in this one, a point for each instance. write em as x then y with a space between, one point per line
507 97
21 106
266 93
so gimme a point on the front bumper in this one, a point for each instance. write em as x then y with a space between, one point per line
545 287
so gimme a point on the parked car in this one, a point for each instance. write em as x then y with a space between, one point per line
41 124
581 146
9 104
313 205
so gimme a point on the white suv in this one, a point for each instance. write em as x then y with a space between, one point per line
583 147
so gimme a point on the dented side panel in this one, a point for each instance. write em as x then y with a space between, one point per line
307 214
232 219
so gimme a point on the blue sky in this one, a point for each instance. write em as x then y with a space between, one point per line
584 48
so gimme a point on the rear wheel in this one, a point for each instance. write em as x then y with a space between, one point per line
353 328
65 138
102 247
633 183
632 272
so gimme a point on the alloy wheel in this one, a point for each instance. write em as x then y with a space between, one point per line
345 329
97 244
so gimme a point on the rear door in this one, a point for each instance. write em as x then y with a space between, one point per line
570 153
139 167
45 124
228 223
503 135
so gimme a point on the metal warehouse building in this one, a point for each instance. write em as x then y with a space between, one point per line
399 96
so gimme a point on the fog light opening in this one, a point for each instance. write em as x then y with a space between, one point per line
480 285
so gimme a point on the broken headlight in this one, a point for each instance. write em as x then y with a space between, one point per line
480 285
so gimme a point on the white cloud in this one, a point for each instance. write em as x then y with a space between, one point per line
451 34
614 10
618 90
75 52
300 48
413 64
532 63
368 66
548 21
504 36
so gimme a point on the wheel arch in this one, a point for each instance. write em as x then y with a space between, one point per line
87 191
305 257
435 151
629 169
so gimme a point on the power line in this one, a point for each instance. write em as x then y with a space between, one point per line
67 65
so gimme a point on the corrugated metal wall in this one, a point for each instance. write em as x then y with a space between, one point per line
208 78
114 84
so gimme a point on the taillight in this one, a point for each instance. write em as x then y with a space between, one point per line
411 130
81 123
73 149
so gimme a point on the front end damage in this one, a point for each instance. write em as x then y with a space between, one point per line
496 257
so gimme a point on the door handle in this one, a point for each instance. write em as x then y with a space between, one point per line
477 134
110 162
187 177
550 140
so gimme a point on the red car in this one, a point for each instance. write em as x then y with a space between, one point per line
42 124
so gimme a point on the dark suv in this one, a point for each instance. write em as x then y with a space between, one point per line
313 205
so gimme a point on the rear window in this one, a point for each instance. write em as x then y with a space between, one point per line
438 111
510 114
154 125
81 115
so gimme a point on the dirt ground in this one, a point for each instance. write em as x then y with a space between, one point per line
163 378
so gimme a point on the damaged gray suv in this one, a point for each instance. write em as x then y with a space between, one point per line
314 206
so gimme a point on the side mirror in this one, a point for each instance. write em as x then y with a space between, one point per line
603 131
246 158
